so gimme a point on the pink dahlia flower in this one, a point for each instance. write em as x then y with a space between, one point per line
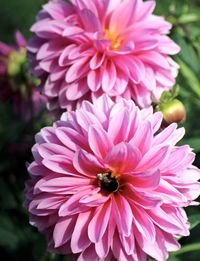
16 84
106 185
85 48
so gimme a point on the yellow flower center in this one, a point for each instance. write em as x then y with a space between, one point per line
112 36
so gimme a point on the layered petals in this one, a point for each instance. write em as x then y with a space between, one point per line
88 48
106 185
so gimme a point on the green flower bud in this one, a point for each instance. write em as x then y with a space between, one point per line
16 60
173 111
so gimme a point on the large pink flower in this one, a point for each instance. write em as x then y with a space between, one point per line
106 185
88 47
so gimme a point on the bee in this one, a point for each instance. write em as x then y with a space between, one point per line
108 182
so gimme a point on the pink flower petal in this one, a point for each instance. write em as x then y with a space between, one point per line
90 21
99 222
97 61
123 214
79 238
143 138
127 158
154 158
99 141
87 164
63 230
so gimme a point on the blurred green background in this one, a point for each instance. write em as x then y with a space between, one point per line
18 240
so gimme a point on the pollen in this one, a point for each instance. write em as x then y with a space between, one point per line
114 38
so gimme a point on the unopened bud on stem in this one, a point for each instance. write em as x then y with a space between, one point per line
173 111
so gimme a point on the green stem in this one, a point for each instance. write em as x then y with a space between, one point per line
188 248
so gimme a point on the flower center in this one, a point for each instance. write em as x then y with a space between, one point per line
108 182
112 36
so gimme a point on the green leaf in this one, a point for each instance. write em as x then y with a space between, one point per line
188 248
190 77
8 238
194 143
194 220
173 258
8 201
188 53
188 18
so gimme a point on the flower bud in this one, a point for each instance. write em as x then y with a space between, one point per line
173 111
16 59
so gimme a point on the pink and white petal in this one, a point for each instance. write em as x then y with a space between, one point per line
157 250
50 49
126 11
63 59
156 120
142 199
76 90
118 250
166 222
87 164
79 69
99 222
143 223
122 158
99 141
48 149
90 22
71 138
170 242
50 202
89 107
89 252
95 198
94 80
63 230
169 193
72 205
146 181
123 214
63 183
118 130
165 78
121 82
109 76
97 60
146 10
71 31
154 158
102 247
104 104
85 119
143 137
180 158
136 69
58 10
169 135
149 81
154 59
79 238
36 169
59 164
167 46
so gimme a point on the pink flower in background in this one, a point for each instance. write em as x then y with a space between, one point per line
85 48
106 185
16 84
